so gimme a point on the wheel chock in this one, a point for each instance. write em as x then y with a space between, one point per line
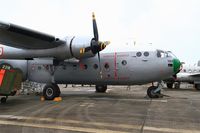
57 99
42 98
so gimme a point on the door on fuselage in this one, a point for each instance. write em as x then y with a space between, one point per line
122 66
115 67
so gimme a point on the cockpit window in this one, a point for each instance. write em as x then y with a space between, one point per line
161 54
170 54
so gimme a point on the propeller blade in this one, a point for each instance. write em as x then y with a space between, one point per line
100 70
95 30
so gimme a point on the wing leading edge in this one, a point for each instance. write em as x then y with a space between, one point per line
21 37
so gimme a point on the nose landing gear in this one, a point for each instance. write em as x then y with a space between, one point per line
155 91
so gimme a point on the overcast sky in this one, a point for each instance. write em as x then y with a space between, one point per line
164 24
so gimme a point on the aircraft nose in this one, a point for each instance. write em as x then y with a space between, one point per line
176 65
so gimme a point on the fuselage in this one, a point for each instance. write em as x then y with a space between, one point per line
117 68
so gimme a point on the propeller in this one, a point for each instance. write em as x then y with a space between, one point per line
96 45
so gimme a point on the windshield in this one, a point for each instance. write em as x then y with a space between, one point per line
170 54
162 54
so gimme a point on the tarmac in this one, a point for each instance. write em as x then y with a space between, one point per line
120 110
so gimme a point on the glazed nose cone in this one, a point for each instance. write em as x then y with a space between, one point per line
176 65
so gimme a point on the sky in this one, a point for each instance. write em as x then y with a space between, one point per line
172 25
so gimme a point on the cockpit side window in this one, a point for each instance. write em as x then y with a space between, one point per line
161 54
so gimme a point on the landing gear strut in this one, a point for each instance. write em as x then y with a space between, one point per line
101 88
50 91
4 99
155 91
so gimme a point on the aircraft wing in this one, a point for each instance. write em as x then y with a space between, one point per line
21 37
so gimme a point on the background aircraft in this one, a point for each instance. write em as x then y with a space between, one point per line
189 74
47 59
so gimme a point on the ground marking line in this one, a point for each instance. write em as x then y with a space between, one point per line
51 126
10 121
126 126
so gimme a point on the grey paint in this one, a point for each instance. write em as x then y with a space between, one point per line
138 70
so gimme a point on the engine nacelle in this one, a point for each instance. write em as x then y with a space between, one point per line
80 47
75 47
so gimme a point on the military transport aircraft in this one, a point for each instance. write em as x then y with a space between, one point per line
76 60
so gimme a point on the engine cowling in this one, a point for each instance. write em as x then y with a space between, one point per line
78 45
84 47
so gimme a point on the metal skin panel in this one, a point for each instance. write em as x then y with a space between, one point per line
138 70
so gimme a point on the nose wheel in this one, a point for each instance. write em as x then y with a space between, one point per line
155 91
152 93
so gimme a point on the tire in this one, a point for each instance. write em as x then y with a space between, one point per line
51 91
197 87
150 92
3 100
58 90
170 85
101 88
